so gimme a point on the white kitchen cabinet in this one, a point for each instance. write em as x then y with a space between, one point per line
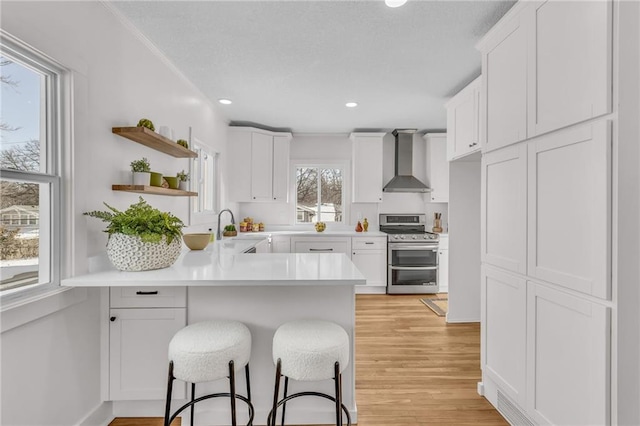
320 244
142 322
504 208
280 244
569 214
568 364
463 121
258 164
369 254
504 74
504 331
570 69
443 264
367 167
438 167
138 348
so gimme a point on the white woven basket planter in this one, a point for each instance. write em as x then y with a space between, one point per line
130 253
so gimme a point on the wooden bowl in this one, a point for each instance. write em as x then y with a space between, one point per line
196 241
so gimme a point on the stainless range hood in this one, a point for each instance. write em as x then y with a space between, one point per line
404 181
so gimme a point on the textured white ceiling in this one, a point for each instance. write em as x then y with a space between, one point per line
294 64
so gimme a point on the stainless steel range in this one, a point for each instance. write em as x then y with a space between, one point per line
412 254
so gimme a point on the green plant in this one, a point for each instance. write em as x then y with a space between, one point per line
183 176
145 122
141 165
183 143
141 220
230 228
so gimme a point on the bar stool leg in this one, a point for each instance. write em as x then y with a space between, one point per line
232 391
337 381
167 411
193 396
246 375
276 391
284 406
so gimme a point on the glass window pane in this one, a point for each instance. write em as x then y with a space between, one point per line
307 194
331 195
24 228
22 116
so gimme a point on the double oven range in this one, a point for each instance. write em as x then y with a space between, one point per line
412 254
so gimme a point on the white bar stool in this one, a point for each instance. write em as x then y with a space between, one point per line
310 350
208 351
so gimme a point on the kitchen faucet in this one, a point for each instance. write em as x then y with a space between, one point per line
233 221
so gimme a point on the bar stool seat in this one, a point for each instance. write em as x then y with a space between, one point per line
310 350
208 351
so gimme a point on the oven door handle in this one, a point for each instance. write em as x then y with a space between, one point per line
413 268
404 247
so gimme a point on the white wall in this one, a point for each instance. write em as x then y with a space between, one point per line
51 366
464 241
337 148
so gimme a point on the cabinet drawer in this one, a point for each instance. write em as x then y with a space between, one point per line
379 243
322 246
148 297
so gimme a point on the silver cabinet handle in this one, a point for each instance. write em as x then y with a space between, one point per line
413 268
327 249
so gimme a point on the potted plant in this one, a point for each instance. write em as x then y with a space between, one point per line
183 178
142 237
141 170
229 231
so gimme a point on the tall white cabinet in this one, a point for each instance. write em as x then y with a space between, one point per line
437 167
367 167
258 165
546 213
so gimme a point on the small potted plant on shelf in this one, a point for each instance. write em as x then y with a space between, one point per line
229 231
145 122
141 170
142 237
183 143
183 179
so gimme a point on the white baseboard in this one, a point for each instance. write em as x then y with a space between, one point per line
374 289
102 415
460 320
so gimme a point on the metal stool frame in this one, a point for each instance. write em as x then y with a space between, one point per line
168 417
340 407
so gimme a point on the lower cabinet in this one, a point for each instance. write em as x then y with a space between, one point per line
280 244
545 351
139 336
443 264
321 245
369 255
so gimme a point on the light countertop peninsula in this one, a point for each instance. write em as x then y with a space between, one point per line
224 263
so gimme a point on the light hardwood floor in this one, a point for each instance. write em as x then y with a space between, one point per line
411 368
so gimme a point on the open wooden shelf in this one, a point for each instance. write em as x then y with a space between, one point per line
153 140
156 190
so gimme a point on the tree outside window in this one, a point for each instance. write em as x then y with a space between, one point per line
319 194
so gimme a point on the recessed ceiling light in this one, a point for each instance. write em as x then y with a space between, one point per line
224 101
394 3
351 104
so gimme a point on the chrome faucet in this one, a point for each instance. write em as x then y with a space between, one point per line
233 222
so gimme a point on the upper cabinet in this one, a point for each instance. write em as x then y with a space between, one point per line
463 119
258 164
547 66
367 167
438 167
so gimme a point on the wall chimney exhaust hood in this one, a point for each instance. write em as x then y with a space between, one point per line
404 181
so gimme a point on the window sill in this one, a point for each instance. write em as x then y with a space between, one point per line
19 312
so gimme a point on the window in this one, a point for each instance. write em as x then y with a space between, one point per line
204 181
30 196
320 196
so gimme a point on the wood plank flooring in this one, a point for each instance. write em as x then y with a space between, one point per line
411 367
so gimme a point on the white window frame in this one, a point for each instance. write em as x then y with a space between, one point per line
52 204
198 215
342 165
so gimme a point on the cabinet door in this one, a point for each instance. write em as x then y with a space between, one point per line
372 264
321 245
367 168
570 208
503 334
463 121
443 270
568 367
438 167
504 69
280 244
281 168
261 167
138 348
504 208
238 165
572 53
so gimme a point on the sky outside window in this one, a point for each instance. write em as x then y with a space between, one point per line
19 103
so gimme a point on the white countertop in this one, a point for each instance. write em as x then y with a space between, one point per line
346 233
224 264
